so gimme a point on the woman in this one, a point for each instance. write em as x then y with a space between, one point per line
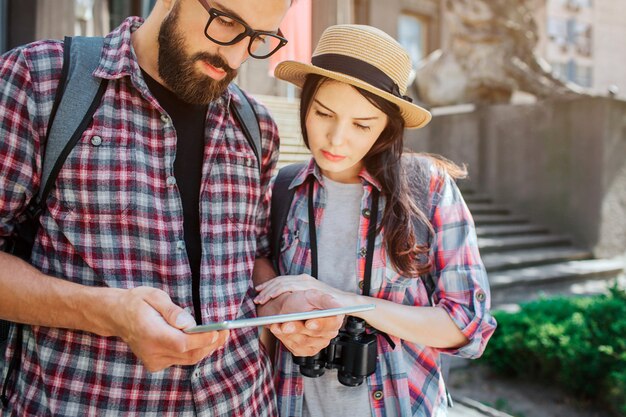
353 113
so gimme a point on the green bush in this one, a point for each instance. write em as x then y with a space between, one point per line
579 343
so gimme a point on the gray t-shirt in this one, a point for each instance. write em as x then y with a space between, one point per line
337 265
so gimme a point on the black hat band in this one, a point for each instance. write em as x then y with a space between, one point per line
359 69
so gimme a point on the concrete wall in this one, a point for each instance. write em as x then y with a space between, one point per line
563 164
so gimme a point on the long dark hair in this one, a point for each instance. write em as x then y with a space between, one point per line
384 162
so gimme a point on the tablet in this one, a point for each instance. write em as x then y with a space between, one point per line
280 318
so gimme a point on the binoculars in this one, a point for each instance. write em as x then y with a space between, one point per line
353 353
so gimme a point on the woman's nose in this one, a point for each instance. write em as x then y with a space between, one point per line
336 135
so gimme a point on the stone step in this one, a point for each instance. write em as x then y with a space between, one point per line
277 101
509 229
532 257
290 147
558 272
509 298
466 407
487 208
509 243
292 159
482 219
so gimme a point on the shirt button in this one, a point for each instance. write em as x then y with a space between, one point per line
248 162
366 213
96 141
171 181
480 296
180 245
378 395
363 252
196 374
360 285
165 119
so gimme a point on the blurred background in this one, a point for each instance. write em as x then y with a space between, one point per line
530 96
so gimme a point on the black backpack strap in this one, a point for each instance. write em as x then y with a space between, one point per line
77 90
248 120
282 197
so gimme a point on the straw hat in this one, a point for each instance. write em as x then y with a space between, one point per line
365 57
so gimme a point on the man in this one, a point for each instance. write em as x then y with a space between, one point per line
153 225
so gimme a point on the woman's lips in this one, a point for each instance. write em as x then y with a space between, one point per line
332 157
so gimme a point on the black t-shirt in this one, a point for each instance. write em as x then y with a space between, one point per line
188 120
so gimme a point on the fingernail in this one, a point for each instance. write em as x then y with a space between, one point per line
288 328
184 320
214 338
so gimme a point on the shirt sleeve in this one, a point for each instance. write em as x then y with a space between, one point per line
462 284
270 147
19 145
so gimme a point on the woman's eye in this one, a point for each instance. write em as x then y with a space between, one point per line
321 114
362 127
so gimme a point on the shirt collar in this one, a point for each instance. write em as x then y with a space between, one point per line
118 57
312 169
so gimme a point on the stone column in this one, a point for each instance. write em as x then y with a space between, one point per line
54 19
3 26
58 18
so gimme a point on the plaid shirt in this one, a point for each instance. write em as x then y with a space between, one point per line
408 379
114 220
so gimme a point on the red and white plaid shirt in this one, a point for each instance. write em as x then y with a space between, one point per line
408 379
114 220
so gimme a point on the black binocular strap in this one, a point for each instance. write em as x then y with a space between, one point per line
369 257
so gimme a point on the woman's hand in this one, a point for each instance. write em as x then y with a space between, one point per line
293 283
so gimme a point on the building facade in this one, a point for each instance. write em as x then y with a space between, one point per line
581 39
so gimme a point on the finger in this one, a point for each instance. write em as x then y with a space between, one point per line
270 293
204 340
325 324
173 314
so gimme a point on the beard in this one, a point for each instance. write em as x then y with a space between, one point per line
178 69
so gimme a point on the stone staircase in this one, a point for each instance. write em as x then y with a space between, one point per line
524 260
286 114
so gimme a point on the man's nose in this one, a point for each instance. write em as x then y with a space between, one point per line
236 54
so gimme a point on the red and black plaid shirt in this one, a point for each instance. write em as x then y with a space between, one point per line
114 220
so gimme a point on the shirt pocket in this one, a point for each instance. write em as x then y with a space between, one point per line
99 180
236 184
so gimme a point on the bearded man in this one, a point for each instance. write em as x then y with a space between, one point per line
154 224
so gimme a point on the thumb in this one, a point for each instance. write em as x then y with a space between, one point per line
174 315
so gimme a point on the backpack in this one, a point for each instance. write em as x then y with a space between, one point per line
79 90
282 197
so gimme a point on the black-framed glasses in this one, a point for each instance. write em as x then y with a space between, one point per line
224 29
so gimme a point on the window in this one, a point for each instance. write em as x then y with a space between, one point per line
584 76
412 35
557 30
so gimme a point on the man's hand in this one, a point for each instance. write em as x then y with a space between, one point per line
303 338
151 324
